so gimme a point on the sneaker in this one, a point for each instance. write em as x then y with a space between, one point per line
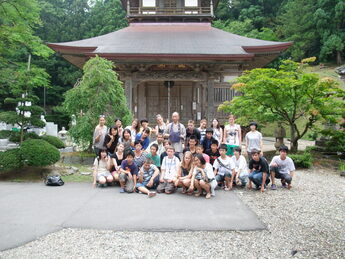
208 195
122 190
284 185
273 187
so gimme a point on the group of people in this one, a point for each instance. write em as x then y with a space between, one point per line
197 160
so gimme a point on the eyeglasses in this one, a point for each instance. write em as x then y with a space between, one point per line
101 116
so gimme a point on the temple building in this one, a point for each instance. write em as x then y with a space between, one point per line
170 58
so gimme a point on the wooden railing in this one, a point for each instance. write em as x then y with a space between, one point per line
169 11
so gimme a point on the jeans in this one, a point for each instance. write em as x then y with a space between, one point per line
278 175
256 178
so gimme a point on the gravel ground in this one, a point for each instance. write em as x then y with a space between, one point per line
306 222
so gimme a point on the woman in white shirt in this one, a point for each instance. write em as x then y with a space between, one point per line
203 177
217 131
101 174
253 139
232 135
240 172
134 128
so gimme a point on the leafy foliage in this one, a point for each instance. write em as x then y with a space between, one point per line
303 160
56 142
286 95
101 85
37 152
336 142
10 159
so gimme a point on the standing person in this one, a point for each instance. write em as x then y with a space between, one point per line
253 139
240 172
99 135
203 177
154 155
101 168
118 124
161 126
159 142
128 174
192 131
117 159
232 135
169 168
134 129
202 129
193 141
208 139
147 178
259 171
126 140
139 154
282 167
223 168
144 138
184 173
217 130
213 153
144 125
111 140
176 132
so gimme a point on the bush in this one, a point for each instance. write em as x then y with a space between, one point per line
10 159
5 134
56 142
15 136
38 152
336 143
304 160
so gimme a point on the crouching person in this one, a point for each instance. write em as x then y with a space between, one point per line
128 174
203 177
259 171
223 168
101 173
240 172
282 167
147 178
169 167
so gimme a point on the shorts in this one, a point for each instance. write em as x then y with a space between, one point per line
230 149
143 184
103 174
129 183
221 178
166 187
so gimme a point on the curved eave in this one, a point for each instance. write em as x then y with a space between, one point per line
268 48
70 49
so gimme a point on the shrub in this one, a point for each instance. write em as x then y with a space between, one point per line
15 136
5 133
38 152
56 142
336 143
10 159
303 160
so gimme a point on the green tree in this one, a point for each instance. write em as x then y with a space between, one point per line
99 92
287 95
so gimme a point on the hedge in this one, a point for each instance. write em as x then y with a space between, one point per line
56 142
10 159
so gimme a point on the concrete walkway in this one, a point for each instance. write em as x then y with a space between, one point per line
30 210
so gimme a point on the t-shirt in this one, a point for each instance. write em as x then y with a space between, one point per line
208 171
206 143
147 174
156 159
216 135
261 165
164 154
100 143
285 166
101 165
145 142
188 149
223 165
195 132
213 155
113 145
233 134
240 164
160 150
133 167
206 157
254 139
202 133
118 161
170 165
139 160
133 132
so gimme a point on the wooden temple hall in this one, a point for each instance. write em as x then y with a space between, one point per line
170 58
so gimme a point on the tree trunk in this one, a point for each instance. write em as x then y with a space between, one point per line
21 134
339 59
293 139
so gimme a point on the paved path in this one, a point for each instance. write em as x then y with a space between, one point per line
30 210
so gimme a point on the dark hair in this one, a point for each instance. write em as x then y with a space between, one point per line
147 130
138 142
100 151
201 158
117 119
253 123
155 146
209 130
137 128
201 146
223 146
144 120
115 128
193 137
218 126
123 133
130 153
148 161
238 149
214 141
283 148
255 151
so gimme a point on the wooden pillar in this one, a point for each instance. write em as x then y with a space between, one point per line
210 99
129 92
142 101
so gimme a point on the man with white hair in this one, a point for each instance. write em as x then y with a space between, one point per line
176 132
